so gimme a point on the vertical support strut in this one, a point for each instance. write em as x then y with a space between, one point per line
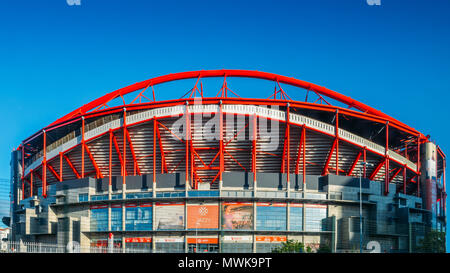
337 141
254 135
82 147
386 168
60 167
418 166
221 148
288 145
154 151
186 134
23 171
404 179
304 155
124 146
44 167
31 182
110 158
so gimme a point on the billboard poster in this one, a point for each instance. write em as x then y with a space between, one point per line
203 216
238 239
270 239
237 215
169 215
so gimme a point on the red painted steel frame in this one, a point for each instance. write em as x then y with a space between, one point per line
228 73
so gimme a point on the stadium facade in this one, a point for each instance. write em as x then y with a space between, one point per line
228 174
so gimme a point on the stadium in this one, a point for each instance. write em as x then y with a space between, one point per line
225 173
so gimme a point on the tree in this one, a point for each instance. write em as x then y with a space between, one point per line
434 242
290 246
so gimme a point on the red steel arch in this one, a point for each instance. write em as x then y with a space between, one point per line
231 73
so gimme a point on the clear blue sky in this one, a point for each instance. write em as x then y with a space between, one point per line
55 57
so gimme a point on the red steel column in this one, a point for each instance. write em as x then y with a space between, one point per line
288 145
44 167
337 141
82 147
254 135
304 155
31 182
418 166
124 145
60 167
445 192
110 157
23 171
187 131
386 167
404 179
222 161
154 152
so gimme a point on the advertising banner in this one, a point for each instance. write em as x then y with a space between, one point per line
270 239
238 239
169 215
237 215
203 240
138 240
203 216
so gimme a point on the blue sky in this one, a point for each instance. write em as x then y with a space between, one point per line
55 57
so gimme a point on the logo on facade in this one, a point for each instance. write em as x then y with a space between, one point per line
203 211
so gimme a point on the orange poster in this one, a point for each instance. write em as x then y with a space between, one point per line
203 216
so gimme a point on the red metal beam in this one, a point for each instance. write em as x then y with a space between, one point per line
288 142
227 73
337 141
124 146
53 172
377 169
355 162
110 158
161 149
325 168
304 155
44 167
386 173
116 146
97 169
72 166
137 169
60 166
154 150
254 136
395 174
221 149
82 147
300 144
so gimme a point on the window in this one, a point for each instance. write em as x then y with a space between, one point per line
296 217
116 196
271 216
116 217
203 193
84 197
99 197
137 195
138 217
99 218
315 216
170 194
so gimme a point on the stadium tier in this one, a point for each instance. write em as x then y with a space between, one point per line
225 173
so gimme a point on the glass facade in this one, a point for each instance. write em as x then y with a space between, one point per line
315 216
99 218
271 216
296 217
138 217
116 217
